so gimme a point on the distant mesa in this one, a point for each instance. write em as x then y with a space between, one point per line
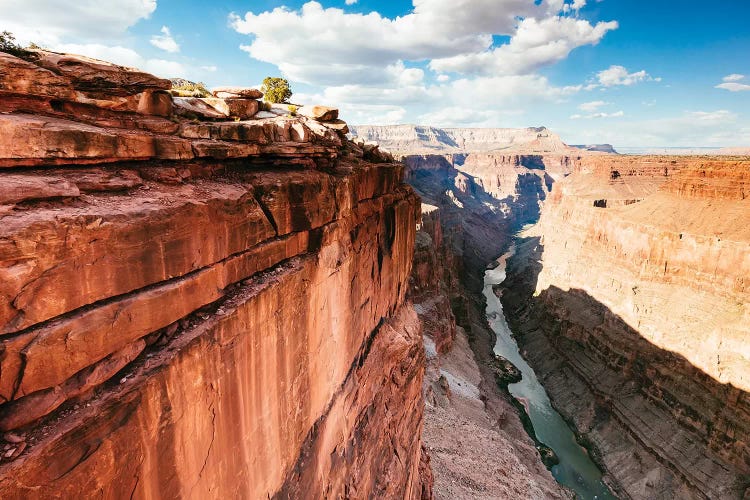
600 148
417 139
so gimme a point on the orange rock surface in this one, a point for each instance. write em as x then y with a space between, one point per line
631 300
198 310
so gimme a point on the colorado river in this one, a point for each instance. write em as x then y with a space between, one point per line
575 470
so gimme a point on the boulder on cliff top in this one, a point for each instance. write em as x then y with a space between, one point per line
195 107
338 125
246 92
92 75
239 107
215 108
24 77
320 113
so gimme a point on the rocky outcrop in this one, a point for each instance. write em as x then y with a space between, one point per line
198 309
599 148
630 300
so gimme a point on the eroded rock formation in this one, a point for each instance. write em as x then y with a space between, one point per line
420 140
198 309
471 204
631 301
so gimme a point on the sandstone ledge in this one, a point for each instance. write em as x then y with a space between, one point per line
198 307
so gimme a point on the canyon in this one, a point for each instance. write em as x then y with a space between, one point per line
203 299
628 297
652 378
630 300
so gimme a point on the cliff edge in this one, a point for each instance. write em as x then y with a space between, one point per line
198 300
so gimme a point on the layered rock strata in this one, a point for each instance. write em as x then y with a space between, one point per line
420 140
198 309
630 300
477 444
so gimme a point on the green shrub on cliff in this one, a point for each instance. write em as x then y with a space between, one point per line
276 90
8 44
186 88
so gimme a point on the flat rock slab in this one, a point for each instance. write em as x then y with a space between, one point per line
246 92
20 188
93 75
22 77
30 140
320 113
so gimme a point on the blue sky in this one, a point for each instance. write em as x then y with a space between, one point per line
627 72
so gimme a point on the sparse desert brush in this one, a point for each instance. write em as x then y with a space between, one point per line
8 45
186 88
276 90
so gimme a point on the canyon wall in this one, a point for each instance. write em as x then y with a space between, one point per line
471 204
194 306
406 140
630 299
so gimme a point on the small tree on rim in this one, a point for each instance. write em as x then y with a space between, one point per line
276 90
8 45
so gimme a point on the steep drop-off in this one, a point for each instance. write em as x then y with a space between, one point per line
472 204
631 301
196 307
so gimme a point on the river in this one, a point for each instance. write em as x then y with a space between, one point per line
575 470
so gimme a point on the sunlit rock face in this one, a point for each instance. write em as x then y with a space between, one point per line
198 308
416 139
631 301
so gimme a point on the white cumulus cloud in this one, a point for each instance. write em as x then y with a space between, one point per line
535 44
592 106
331 47
731 83
618 75
165 41
734 77
48 22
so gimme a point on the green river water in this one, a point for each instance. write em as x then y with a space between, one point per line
575 470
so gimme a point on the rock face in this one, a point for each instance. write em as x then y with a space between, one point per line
631 301
199 309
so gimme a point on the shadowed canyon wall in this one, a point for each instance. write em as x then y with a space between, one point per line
196 308
471 204
630 299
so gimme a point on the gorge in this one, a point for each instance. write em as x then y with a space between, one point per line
203 299
628 298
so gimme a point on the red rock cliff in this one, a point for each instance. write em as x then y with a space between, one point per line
198 309
631 301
